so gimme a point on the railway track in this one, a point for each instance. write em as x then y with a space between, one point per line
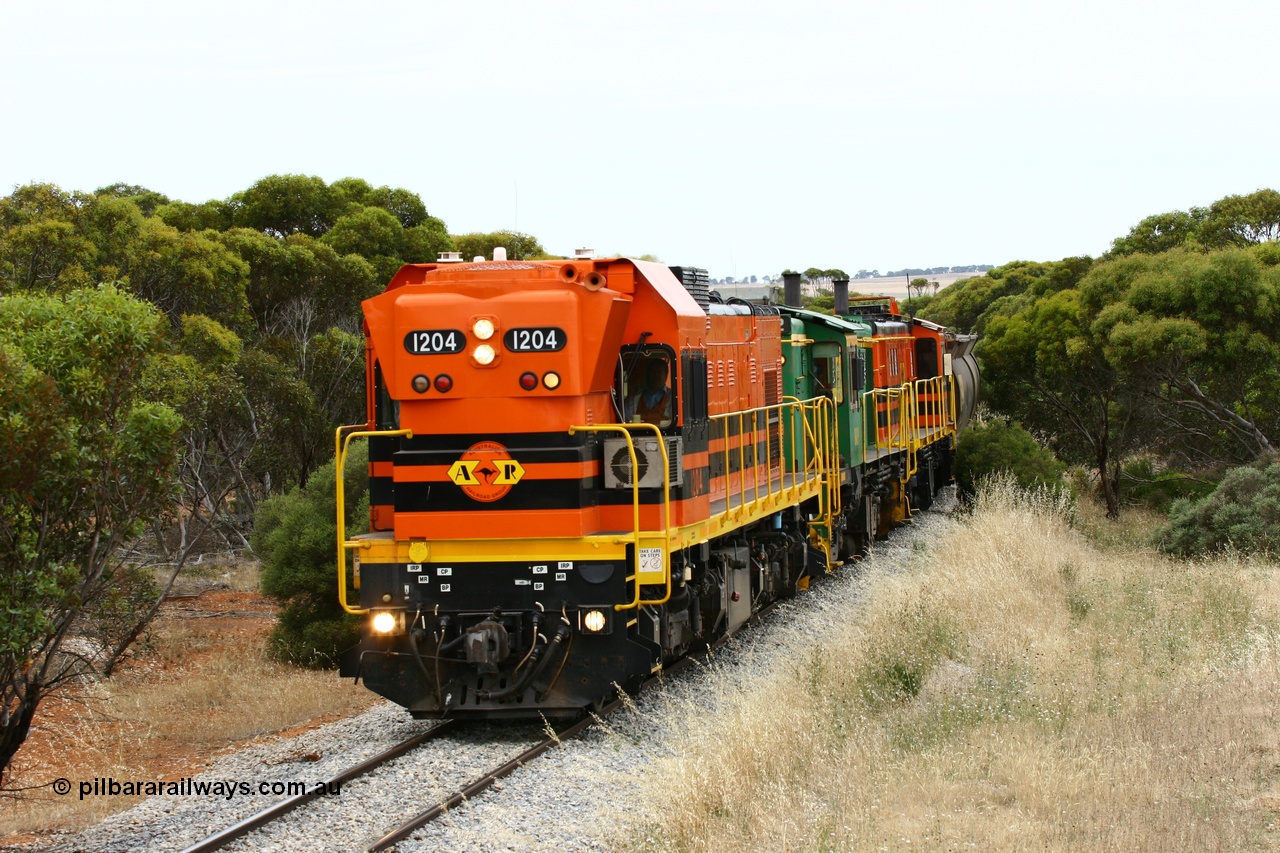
485 782
482 782
472 788
256 821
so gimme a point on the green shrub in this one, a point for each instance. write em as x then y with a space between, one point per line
993 446
1141 481
1242 514
295 536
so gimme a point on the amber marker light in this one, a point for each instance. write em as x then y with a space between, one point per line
421 384
483 354
482 328
551 380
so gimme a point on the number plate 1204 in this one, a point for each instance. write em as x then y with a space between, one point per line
534 339
435 341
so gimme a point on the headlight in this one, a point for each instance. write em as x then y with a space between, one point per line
384 622
483 354
594 621
483 329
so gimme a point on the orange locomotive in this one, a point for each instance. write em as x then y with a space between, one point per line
577 471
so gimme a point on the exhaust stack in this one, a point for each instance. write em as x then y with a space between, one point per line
791 289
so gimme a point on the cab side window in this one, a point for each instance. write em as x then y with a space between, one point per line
647 388
828 373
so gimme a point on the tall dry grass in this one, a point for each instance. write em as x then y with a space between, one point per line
1017 687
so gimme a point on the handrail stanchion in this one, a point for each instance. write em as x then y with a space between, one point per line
342 438
635 505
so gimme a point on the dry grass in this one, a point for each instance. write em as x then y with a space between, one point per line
216 571
1018 688
200 685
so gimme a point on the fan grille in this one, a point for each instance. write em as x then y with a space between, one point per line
621 466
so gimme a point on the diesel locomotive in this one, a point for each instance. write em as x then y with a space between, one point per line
579 470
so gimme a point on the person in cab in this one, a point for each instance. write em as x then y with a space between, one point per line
651 402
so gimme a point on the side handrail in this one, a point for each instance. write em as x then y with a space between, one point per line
636 532
341 445
934 414
815 431
819 431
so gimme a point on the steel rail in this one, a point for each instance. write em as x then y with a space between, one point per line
271 813
486 781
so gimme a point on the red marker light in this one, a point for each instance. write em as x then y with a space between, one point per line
443 383
528 381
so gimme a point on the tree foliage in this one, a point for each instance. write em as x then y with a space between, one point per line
1169 346
294 536
166 367
1196 333
88 461
1046 366
1234 221
281 205
969 304
481 245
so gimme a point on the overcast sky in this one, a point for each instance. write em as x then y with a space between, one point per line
744 137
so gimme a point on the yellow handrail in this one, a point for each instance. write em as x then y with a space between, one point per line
341 445
625 429
820 431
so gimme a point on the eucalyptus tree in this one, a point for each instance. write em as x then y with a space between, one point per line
88 460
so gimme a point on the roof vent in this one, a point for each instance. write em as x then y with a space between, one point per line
449 258
584 254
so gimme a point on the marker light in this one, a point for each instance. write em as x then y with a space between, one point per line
421 384
551 380
483 354
444 382
385 623
528 381
592 620
483 328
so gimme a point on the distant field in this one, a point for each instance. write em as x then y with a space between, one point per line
896 286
